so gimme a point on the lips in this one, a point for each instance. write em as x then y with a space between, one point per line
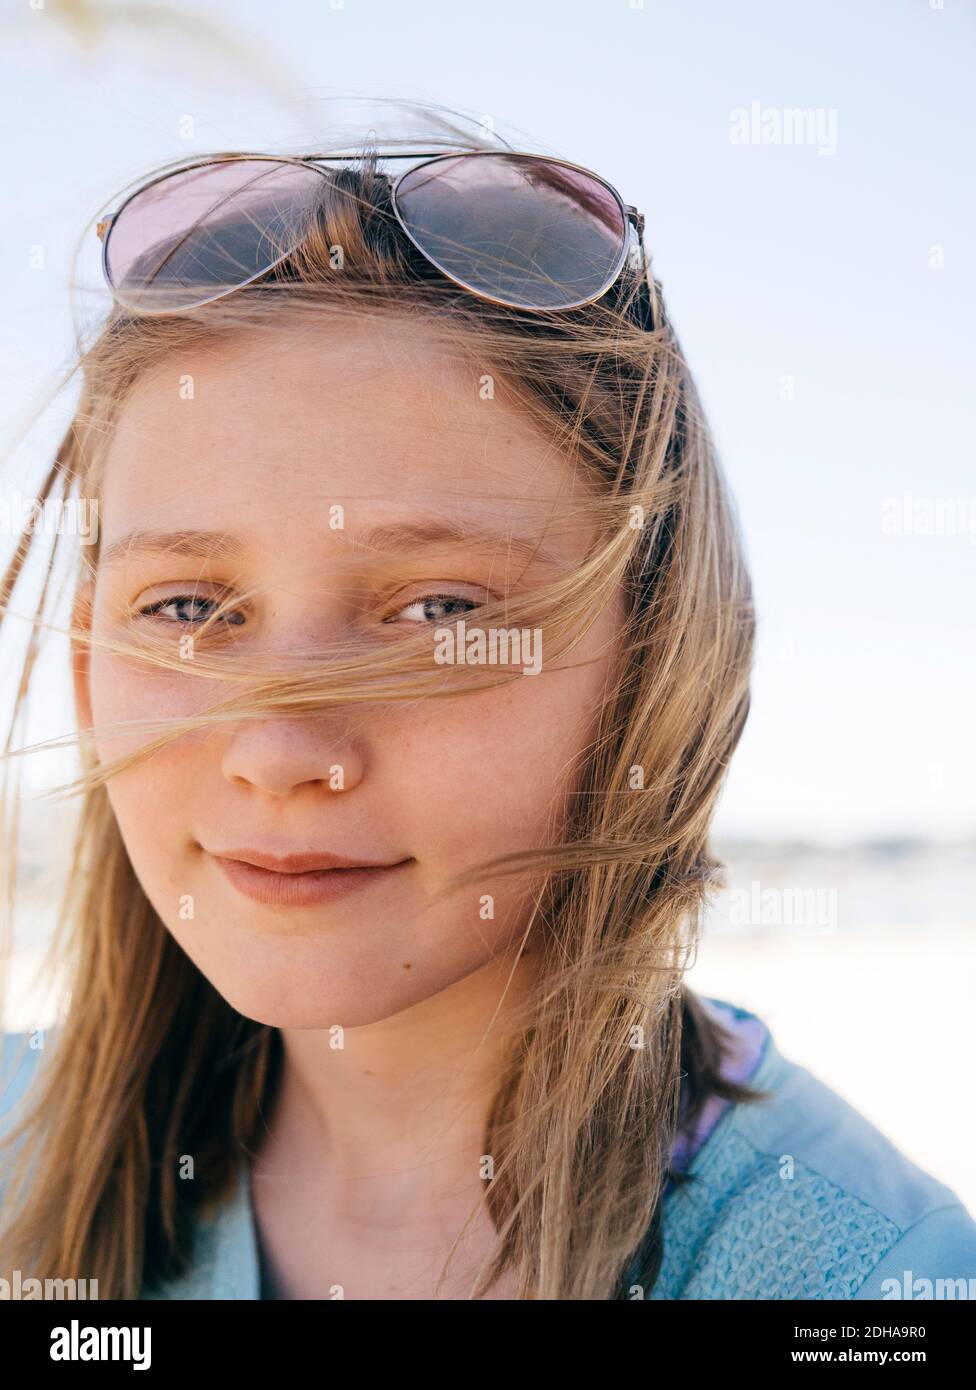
298 863
303 879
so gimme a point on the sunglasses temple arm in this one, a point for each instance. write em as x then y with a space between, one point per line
644 301
635 235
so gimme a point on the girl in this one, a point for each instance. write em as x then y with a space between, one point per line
408 664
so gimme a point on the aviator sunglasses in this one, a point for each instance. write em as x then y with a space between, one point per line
520 230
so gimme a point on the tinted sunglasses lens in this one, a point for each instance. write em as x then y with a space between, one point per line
525 231
192 236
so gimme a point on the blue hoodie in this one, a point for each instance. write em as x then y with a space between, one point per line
794 1197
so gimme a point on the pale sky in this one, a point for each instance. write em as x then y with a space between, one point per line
823 292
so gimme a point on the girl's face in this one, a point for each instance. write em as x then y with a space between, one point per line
256 443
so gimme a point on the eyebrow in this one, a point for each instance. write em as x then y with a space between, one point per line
213 545
216 545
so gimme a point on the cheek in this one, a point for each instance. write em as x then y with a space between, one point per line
149 798
123 691
495 767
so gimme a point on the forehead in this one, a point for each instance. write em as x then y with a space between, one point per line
271 430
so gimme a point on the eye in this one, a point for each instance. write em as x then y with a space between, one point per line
184 602
424 605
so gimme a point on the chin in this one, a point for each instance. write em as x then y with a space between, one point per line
293 1001
321 981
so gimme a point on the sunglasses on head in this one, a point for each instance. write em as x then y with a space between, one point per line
520 230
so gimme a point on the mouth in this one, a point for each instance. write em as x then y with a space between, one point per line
328 879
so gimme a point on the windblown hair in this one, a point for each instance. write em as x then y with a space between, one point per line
152 1063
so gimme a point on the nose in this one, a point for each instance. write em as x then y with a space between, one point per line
282 754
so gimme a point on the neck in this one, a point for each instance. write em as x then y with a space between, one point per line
388 1129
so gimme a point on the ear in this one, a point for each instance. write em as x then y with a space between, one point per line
81 620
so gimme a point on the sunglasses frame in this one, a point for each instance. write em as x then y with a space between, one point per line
631 217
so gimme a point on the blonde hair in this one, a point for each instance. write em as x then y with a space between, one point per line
153 1063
